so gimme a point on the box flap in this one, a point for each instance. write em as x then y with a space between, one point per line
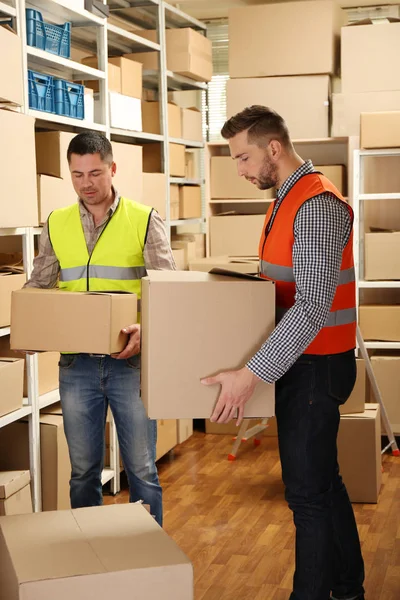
379 21
13 481
237 275
370 412
6 360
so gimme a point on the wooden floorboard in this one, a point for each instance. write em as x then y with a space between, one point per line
232 521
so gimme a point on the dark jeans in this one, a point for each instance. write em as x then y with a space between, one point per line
328 554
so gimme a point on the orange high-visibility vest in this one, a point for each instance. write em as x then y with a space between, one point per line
276 263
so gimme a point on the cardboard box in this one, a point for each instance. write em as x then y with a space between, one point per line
179 258
151 119
15 493
17 153
198 238
9 282
114 75
91 551
192 128
53 193
347 109
189 53
152 162
262 39
174 201
360 462
131 75
387 373
125 112
11 384
167 436
235 235
189 251
54 457
89 105
356 402
203 312
155 192
382 256
224 262
189 201
69 321
307 118
51 154
380 130
336 175
128 179
379 322
11 70
184 428
365 51
192 170
226 183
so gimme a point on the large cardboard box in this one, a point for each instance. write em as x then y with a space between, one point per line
131 75
203 312
51 153
53 193
307 117
359 454
11 70
387 372
167 436
152 162
189 53
189 201
184 428
382 255
366 52
114 74
224 262
192 128
292 38
128 179
15 493
91 552
9 282
380 130
235 235
55 320
336 174
226 183
54 457
155 192
11 384
379 322
17 159
347 109
151 119
125 112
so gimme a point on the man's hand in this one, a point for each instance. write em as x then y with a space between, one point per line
133 345
237 387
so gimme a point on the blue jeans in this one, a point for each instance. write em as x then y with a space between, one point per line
88 384
328 553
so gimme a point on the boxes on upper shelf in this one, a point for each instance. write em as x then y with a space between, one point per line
306 118
9 282
226 183
113 73
235 235
51 154
347 109
155 192
11 79
189 201
380 130
11 384
336 175
192 128
125 112
202 310
382 255
380 322
128 180
366 48
152 162
15 493
291 38
151 119
387 372
124 75
53 193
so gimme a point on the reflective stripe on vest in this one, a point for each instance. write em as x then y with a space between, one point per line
345 316
101 272
286 274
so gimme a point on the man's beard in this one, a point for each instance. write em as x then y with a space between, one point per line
268 176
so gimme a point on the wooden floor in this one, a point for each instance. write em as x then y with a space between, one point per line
232 521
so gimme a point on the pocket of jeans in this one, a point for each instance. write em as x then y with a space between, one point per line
133 362
342 375
67 360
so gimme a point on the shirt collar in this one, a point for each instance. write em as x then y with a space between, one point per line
287 185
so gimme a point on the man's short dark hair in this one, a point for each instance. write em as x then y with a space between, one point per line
91 142
260 122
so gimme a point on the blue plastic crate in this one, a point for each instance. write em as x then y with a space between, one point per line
52 38
69 99
41 91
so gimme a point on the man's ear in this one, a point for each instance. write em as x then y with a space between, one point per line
275 149
113 169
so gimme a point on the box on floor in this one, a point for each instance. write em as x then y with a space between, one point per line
155 192
184 429
235 235
202 311
54 457
128 179
224 262
226 182
152 162
15 493
306 118
359 454
387 372
17 153
151 119
167 436
94 550
11 82
382 256
259 46
357 399
365 50
9 282
11 384
380 130
53 193
55 320
189 201
380 322
347 109
192 124
336 175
